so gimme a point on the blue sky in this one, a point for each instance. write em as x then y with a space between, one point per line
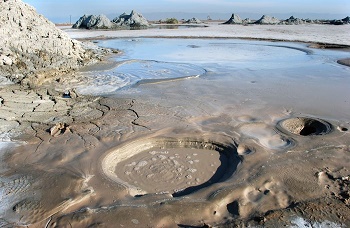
57 10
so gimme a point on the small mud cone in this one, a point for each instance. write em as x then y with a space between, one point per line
58 129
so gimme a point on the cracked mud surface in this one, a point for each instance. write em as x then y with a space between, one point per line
57 179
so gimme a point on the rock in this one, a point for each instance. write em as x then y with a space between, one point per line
58 129
32 49
235 19
193 21
267 20
94 22
133 20
4 60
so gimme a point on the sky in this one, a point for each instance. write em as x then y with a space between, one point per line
72 9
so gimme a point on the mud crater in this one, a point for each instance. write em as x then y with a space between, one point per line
177 167
305 126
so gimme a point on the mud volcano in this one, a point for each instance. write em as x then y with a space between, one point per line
305 126
166 165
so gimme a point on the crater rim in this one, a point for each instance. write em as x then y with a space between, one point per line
115 156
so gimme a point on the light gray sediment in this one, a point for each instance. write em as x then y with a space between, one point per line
33 50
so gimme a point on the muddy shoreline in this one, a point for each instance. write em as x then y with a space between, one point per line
316 45
345 62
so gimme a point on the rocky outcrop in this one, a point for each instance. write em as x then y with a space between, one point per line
267 20
32 49
193 21
132 20
235 19
94 22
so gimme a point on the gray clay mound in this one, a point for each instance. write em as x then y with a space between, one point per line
305 126
33 49
177 167
133 20
193 21
294 21
235 19
267 20
94 22
346 20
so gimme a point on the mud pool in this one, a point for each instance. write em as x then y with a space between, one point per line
189 132
226 72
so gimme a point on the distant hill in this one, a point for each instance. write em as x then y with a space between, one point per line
225 16
203 16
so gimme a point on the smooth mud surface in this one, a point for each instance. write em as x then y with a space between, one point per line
178 167
161 173
188 133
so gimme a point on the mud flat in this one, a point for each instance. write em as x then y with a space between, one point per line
319 34
167 154
239 144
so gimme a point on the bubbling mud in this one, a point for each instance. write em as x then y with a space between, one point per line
166 165
266 136
305 126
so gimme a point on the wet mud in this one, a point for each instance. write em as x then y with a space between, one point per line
199 152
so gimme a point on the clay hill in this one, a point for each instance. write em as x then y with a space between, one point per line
294 21
124 21
235 19
133 20
94 22
268 20
193 20
343 21
32 49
